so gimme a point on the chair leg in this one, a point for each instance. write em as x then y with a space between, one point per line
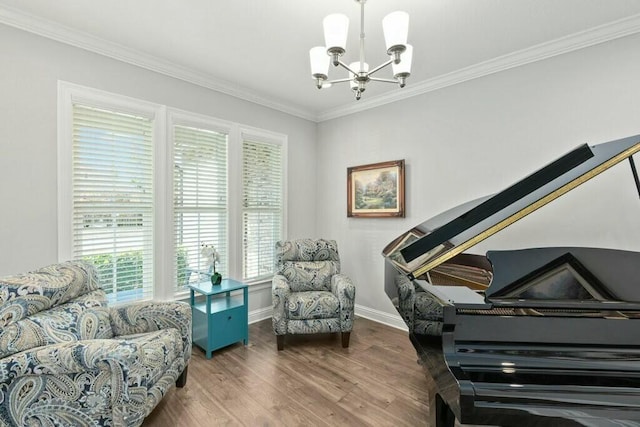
345 339
280 339
182 378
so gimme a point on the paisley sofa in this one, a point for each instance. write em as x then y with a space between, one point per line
309 294
66 359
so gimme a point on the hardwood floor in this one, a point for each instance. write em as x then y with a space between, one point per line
312 382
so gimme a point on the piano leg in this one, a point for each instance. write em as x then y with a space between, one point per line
439 412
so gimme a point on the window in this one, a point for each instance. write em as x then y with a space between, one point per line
112 197
199 200
262 206
142 186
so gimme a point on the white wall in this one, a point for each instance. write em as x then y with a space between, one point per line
459 143
31 67
478 137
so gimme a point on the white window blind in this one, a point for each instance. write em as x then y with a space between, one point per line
112 198
200 208
262 206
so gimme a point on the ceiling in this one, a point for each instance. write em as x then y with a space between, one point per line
258 49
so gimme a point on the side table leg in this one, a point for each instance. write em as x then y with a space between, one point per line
209 351
245 292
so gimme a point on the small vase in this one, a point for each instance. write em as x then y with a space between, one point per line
216 278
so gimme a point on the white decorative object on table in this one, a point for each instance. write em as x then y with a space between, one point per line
211 255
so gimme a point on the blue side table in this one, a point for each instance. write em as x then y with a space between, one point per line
222 319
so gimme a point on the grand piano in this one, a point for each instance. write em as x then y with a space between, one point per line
532 337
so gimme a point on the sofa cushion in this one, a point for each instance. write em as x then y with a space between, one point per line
313 305
309 275
82 319
25 294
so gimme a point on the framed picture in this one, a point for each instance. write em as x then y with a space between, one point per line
564 278
376 190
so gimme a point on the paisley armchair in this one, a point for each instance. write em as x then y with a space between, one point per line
68 359
420 310
309 293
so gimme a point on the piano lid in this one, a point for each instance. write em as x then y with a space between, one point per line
446 235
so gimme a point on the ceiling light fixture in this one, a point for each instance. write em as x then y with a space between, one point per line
396 28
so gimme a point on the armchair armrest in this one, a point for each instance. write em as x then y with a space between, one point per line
406 299
343 288
280 292
143 317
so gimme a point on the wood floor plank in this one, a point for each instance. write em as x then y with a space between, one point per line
280 406
312 382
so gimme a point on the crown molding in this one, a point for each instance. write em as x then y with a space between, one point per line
596 35
603 33
60 33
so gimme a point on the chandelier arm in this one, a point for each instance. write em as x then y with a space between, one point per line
381 66
345 66
383 80
339 80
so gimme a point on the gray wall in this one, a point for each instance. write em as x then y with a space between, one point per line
476 138
31 68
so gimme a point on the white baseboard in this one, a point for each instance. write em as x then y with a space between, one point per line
395 321
260 314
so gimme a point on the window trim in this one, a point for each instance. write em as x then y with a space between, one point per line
68 94
260 135
164 118
185 118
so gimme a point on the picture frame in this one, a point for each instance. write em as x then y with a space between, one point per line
376 190
564 278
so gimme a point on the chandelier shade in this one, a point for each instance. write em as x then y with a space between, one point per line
396 29
336 27
355 66
404 67
319 62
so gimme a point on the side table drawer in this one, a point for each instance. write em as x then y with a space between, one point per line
228 327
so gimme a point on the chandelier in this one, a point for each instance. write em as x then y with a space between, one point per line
395 26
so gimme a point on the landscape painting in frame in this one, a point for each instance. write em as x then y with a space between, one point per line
376 190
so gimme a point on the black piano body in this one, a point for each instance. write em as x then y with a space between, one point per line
531 337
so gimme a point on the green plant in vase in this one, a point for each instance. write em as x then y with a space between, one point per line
211 255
